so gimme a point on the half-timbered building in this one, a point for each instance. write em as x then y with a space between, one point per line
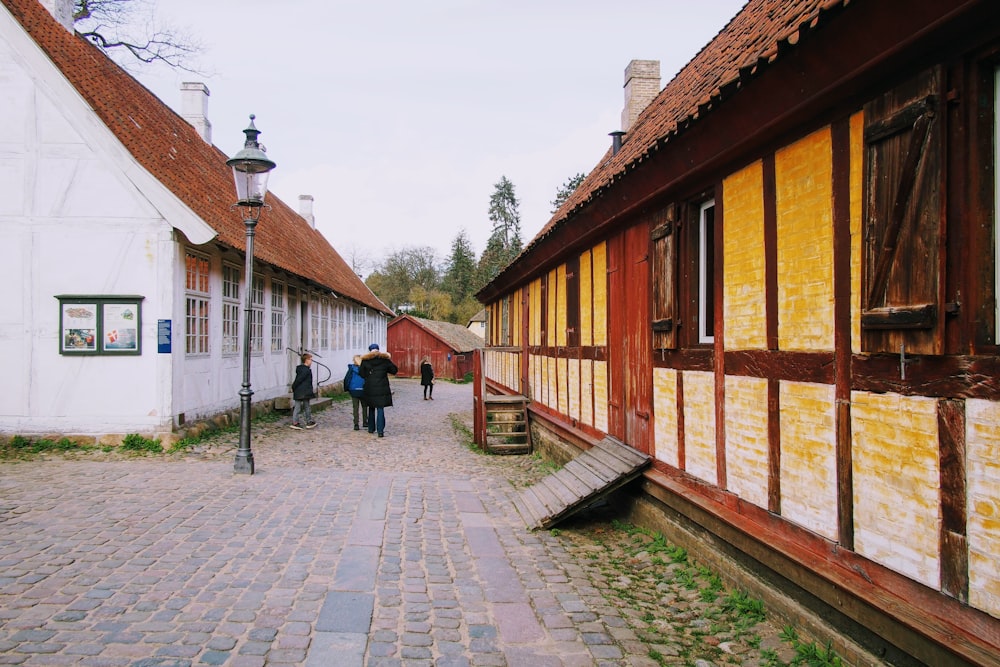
780 283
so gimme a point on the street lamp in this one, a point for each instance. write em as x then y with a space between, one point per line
250 169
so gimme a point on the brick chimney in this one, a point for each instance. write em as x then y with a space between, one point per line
642 85
306 209
194 108
62 10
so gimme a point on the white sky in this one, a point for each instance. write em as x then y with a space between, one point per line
399 116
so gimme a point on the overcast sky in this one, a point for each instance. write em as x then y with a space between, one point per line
400 116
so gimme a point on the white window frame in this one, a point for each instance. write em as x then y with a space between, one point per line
257 316
197 306
277 316
232 276
314 321
324 323
705 246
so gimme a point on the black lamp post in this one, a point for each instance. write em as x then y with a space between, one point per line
250 170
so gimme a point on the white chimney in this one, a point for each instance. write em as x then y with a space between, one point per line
194 108
642 85
306 209
62 10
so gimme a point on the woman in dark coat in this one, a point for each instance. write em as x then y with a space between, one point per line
427 378
376 367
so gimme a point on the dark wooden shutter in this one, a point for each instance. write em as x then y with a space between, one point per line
664 278
902 282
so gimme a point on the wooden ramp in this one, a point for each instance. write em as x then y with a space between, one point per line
604 468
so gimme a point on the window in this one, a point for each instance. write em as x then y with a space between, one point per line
257 315
324 323
358 330
196 304
902 285
315 322
277 316
706 272
230 309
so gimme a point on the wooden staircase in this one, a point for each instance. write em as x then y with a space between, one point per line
595 473
507 428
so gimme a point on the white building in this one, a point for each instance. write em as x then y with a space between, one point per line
122 264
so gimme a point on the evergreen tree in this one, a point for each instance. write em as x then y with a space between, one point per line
505 242
565 190
460 272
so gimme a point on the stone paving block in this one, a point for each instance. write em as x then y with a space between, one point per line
344 649
357 569
346 612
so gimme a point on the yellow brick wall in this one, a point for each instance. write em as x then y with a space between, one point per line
601 395
600 295
746 438
897 483
803 173
808 420
586 299
857 175
699 425
744 288
983 474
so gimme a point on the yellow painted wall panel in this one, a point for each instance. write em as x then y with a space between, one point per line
560 323
896 470
803 178
808 421
699 425
601 395
562 384
586 299
551 392
665 445
744 286
746 437
587 391
857 183
550 306
573 373
983 474
600 295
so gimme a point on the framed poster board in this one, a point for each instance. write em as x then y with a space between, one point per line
108 325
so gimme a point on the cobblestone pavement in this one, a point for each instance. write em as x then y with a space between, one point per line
343 549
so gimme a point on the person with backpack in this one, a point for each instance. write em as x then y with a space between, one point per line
375 368
354 384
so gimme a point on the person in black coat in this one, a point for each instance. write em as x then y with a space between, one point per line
302 392
376 367
427 379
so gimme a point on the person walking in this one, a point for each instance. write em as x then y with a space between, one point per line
375 368
302 393
354 384
427 378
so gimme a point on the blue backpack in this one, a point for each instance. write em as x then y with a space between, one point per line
353 382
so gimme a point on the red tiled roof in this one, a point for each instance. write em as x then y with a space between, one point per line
752 40
171 150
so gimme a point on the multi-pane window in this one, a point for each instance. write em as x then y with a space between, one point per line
277 316
314 321
257 315
324 323
706 272
196 304
230 309
358 330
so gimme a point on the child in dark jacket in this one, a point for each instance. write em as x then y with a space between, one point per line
354 385
302 392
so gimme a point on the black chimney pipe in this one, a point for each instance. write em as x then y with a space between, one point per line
616 141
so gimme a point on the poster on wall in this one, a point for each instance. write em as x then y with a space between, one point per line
79 327
109 325
120 333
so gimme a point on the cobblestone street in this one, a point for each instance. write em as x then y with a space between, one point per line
342 549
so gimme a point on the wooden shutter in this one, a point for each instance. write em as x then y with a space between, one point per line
664 278
902 285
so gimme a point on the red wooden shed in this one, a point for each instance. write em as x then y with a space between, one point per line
449 346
